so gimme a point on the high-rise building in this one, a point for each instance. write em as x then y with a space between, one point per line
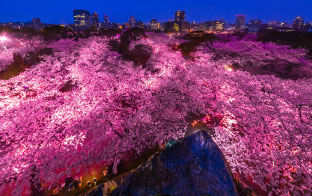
285 24
214 25
132 21
194 26
240 20
298 23
219 25
173 26
309 26
255 22
140 24
254 26
95 19
82 19
179 16
184 26
36 23
154 25
106 19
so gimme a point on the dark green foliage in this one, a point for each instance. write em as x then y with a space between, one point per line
91 32
133 34
194 38
296 39
68 86
35 57
279 68
140 54
200 37
45 51
187 48
57 32
51 33
110 33
26 33
20 63
114 44
241 189
240 34
15 68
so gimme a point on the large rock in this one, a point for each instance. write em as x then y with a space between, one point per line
194 166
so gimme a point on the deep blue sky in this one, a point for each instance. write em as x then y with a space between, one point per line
60 11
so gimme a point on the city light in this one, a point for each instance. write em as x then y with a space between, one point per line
3 39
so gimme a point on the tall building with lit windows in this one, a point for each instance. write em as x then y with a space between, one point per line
171 27
179 25
240 20
174 27
95 19
154 24
215 25
36 23
82 19
132 21
106 19
254 26
179 16
255 22
298 23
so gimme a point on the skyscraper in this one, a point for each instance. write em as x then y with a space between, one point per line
179 16
106 19
255 22
240 20
298 23
219 25
254 26
215 25
132 21
82 19
95 19
36 23
154 25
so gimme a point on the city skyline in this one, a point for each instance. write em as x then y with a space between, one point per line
162 10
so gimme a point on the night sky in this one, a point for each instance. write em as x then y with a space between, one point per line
60 11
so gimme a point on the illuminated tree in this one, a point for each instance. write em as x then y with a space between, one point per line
85 105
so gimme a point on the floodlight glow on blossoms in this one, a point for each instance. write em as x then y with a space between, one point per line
3 38
228 68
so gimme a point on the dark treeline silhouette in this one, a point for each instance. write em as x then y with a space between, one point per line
56 32
296 39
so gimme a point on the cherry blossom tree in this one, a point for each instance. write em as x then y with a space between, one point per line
84 105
